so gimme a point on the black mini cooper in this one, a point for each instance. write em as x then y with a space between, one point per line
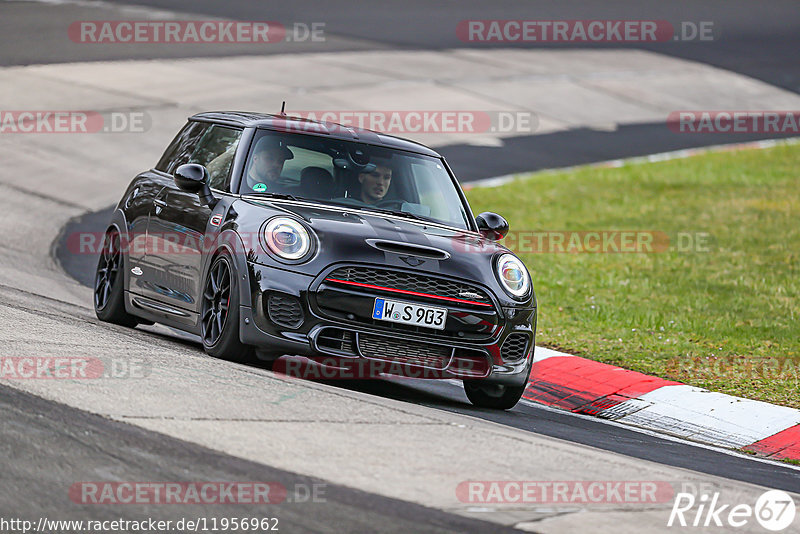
268 235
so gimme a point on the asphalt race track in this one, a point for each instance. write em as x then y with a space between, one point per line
36 438
759 41
387 454
448 396
756 42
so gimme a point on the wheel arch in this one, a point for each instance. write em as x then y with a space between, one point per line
230 242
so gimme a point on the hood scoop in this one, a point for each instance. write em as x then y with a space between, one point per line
408 249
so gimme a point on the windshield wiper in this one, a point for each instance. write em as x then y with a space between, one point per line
284 196
405 214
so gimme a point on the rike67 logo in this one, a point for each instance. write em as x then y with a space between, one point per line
774 510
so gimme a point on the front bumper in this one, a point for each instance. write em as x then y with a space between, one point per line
293 313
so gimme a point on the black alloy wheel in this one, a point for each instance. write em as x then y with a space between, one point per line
108 267
219 313
216 301
109 298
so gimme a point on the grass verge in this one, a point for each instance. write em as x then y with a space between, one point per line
717 308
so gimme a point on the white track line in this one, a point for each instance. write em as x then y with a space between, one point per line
652 158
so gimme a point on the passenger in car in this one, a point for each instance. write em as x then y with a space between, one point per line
375 184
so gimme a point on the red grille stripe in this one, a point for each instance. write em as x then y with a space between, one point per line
406 292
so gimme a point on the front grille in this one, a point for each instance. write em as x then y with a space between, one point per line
336 339
408 352
284 310
513 348
411 282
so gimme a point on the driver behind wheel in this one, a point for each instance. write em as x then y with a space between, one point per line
266 167
375 184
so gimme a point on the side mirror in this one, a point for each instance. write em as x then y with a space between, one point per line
193 178
492 226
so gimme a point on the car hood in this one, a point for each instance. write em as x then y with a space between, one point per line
353 236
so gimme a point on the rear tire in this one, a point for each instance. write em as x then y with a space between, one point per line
219 313
109 279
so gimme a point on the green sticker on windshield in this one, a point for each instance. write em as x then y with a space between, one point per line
260 188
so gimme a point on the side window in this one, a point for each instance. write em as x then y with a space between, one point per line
181 148
215 152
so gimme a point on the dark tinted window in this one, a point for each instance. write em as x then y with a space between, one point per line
215 152
181 148
352 174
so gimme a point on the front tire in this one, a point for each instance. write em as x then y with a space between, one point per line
109 279
495 396
219 313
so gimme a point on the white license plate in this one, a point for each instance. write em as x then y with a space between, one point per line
396 311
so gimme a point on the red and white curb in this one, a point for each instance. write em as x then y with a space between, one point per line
592 388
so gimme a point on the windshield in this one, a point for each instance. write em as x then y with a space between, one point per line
356 175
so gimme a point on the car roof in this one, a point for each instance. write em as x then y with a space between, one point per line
300 125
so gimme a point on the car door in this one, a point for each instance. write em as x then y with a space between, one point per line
144 277
179 221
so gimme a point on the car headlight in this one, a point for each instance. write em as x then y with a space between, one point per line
287 238
513 276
